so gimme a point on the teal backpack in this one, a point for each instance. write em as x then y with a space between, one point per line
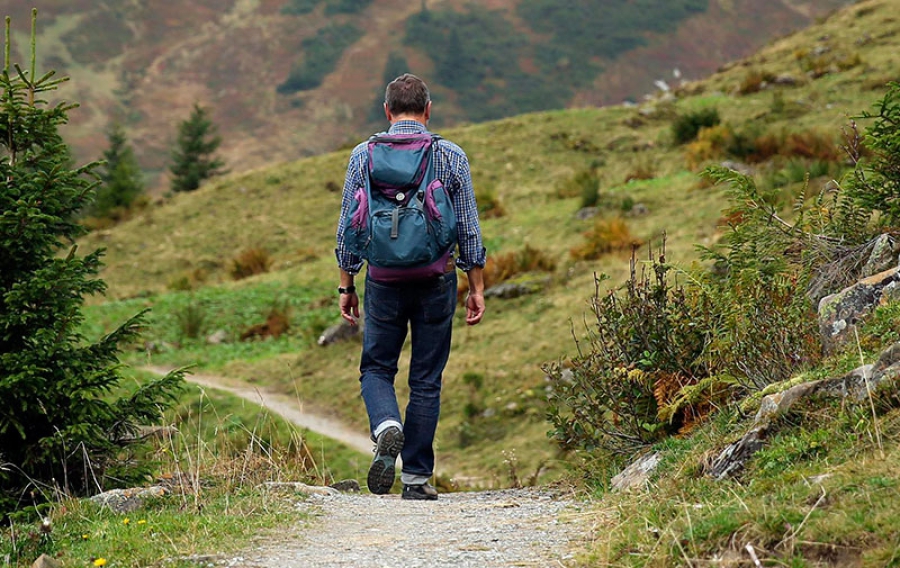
402 220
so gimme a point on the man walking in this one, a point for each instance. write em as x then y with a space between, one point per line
424 305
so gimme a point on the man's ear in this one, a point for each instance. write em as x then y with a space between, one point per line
387 113
428 111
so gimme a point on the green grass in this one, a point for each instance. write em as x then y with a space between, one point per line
224 450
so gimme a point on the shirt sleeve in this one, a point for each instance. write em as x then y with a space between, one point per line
471 247
346 260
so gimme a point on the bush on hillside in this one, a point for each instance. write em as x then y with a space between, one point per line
875 182
606 236
645 343
686 127
250 262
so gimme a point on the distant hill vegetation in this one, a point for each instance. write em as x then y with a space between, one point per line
290 78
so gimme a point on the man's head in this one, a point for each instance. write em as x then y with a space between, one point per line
407 97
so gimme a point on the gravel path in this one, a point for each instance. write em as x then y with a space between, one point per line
487 529
536 527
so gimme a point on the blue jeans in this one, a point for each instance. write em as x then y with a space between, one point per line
426 309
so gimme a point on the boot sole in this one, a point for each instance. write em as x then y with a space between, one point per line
383 469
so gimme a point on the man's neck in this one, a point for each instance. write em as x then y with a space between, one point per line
414 117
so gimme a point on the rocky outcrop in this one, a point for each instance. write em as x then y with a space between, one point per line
127 500
637 474
342 331
517 288
857 386
883 256
839 312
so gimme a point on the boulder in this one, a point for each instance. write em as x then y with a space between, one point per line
339 332
303 488
45 561
839 312
883 256
517 288
637 474
127 500
346 486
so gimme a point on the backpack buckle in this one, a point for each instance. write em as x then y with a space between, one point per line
400 196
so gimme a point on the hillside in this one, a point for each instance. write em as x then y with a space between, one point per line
292 78
176 257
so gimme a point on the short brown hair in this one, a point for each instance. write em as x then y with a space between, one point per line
407 94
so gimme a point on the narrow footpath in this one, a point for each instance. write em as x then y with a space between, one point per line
288 408
528 527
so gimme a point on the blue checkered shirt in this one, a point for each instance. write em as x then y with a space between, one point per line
451 166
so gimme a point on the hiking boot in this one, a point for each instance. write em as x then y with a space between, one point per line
381 472
419 492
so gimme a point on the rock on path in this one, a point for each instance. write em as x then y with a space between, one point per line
488 529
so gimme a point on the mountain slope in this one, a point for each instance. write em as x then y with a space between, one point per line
179 254
146 65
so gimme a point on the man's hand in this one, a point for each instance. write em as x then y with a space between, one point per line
350 307
474 308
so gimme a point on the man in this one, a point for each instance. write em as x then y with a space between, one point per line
426 307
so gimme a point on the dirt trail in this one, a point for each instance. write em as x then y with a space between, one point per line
288 408
537 527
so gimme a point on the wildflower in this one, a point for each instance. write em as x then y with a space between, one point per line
142 522
126 520
85 536
100 562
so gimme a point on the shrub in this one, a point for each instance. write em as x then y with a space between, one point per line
191 320
607 235
875 182
503 267
644 340
278 322
584 184
642 168
489 204
754 81
250 262
687 126
711 143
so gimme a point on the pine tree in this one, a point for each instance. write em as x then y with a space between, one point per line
64 426
193 158
120 176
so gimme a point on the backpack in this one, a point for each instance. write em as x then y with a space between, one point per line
401 221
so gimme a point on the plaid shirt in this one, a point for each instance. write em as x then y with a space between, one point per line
451 166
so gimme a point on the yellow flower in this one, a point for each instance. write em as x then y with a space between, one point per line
85 536
142 522
126 520
100 562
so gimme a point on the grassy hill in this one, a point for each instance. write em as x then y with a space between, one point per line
292 78
177 257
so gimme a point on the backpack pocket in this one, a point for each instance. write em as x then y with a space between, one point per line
441 217
399 238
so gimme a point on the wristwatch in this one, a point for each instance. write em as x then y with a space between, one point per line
347 290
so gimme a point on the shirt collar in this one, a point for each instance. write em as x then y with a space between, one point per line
407 127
